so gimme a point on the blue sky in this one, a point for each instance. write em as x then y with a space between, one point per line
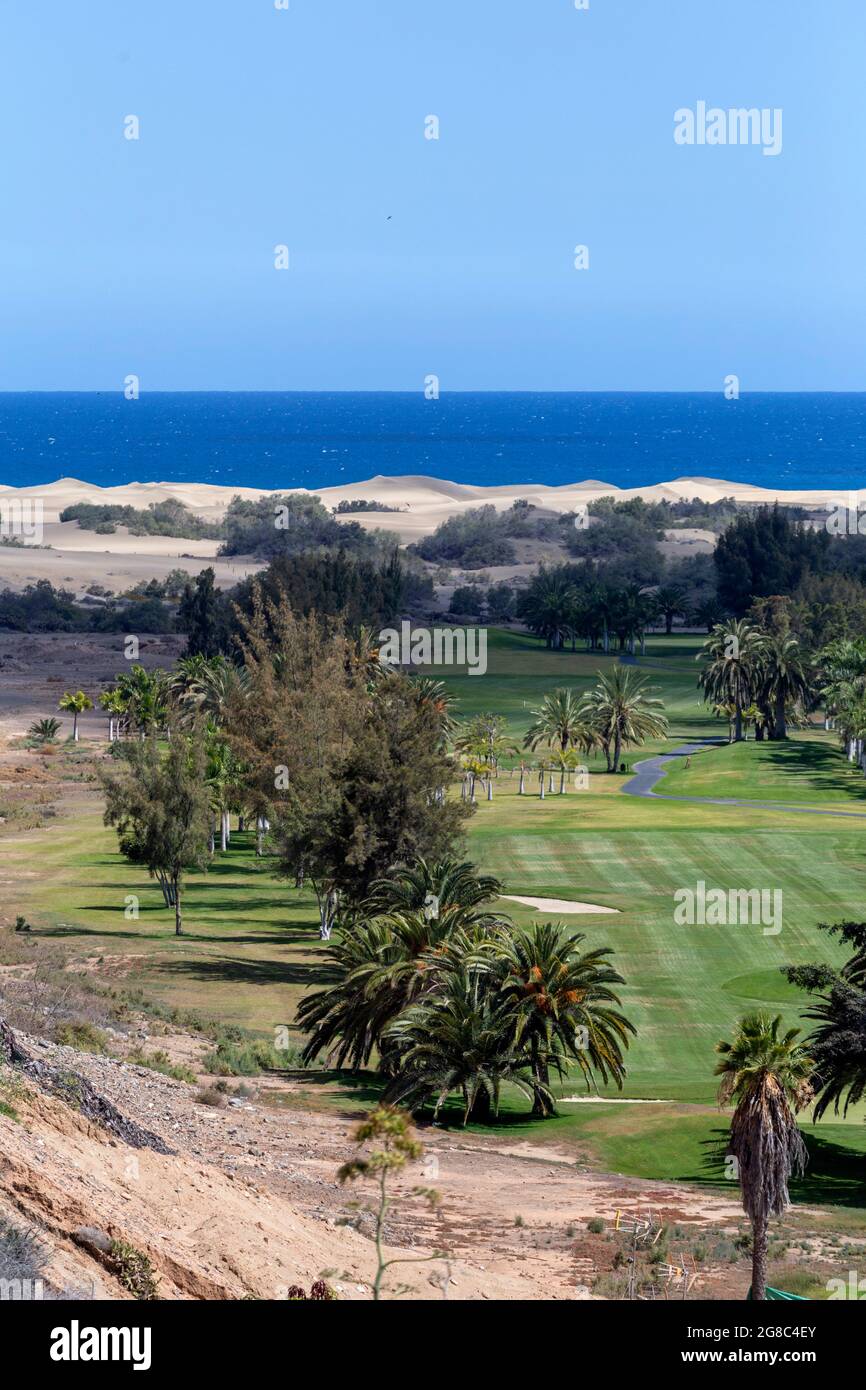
306 127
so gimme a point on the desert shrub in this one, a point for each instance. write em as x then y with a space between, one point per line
233 1057
212 1095
134 1270
22 1254
84 1036
161 1062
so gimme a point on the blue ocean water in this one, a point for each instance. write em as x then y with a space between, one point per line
287 439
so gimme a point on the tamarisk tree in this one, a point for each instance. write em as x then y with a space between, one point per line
159 804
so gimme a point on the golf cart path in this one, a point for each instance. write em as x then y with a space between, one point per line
650 772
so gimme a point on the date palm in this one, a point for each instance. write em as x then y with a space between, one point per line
670 601
549 609
561 1000
462 1040
783 678
345 1020
44 730
838 1006
429 691
563 718
453 890
765 1074
380 964
624 713
731 655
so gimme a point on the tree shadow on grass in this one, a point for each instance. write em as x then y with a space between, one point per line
823 765
192 935
363 1087
231 906
835 1175
248 972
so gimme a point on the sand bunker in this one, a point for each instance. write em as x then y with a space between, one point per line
557 904
607 1100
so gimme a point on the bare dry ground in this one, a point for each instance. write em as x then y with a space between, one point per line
36 668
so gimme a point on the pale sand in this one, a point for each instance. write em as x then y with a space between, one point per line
557 904
608 1100
78 557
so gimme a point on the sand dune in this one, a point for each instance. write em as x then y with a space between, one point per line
77 556
414 492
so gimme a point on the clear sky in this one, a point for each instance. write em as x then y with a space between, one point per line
411 256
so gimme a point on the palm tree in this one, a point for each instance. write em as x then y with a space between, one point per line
564 718
484 738
561 1001
709 613
44 730
562 762
457 891
670 602
549 608
221 777
346 1019
114 704
75 703
784 679
838 1044
624 713
146 697
767 1076
477 769
462 1040
209 686
731 656
843 669
429 691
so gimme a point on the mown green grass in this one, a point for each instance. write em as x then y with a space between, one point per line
806 769
252 949
685 985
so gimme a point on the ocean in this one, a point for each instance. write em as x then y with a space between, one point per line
288 439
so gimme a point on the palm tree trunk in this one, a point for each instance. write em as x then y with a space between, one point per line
617 749
738 723
759 1259
541 1073
522 778
75 727
224 843
561 780
781 729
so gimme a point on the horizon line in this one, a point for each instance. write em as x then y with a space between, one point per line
416 391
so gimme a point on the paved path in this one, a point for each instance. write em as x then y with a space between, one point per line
650 772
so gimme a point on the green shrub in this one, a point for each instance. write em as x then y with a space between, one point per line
233 1058
161 1062
134 1270
83 1036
